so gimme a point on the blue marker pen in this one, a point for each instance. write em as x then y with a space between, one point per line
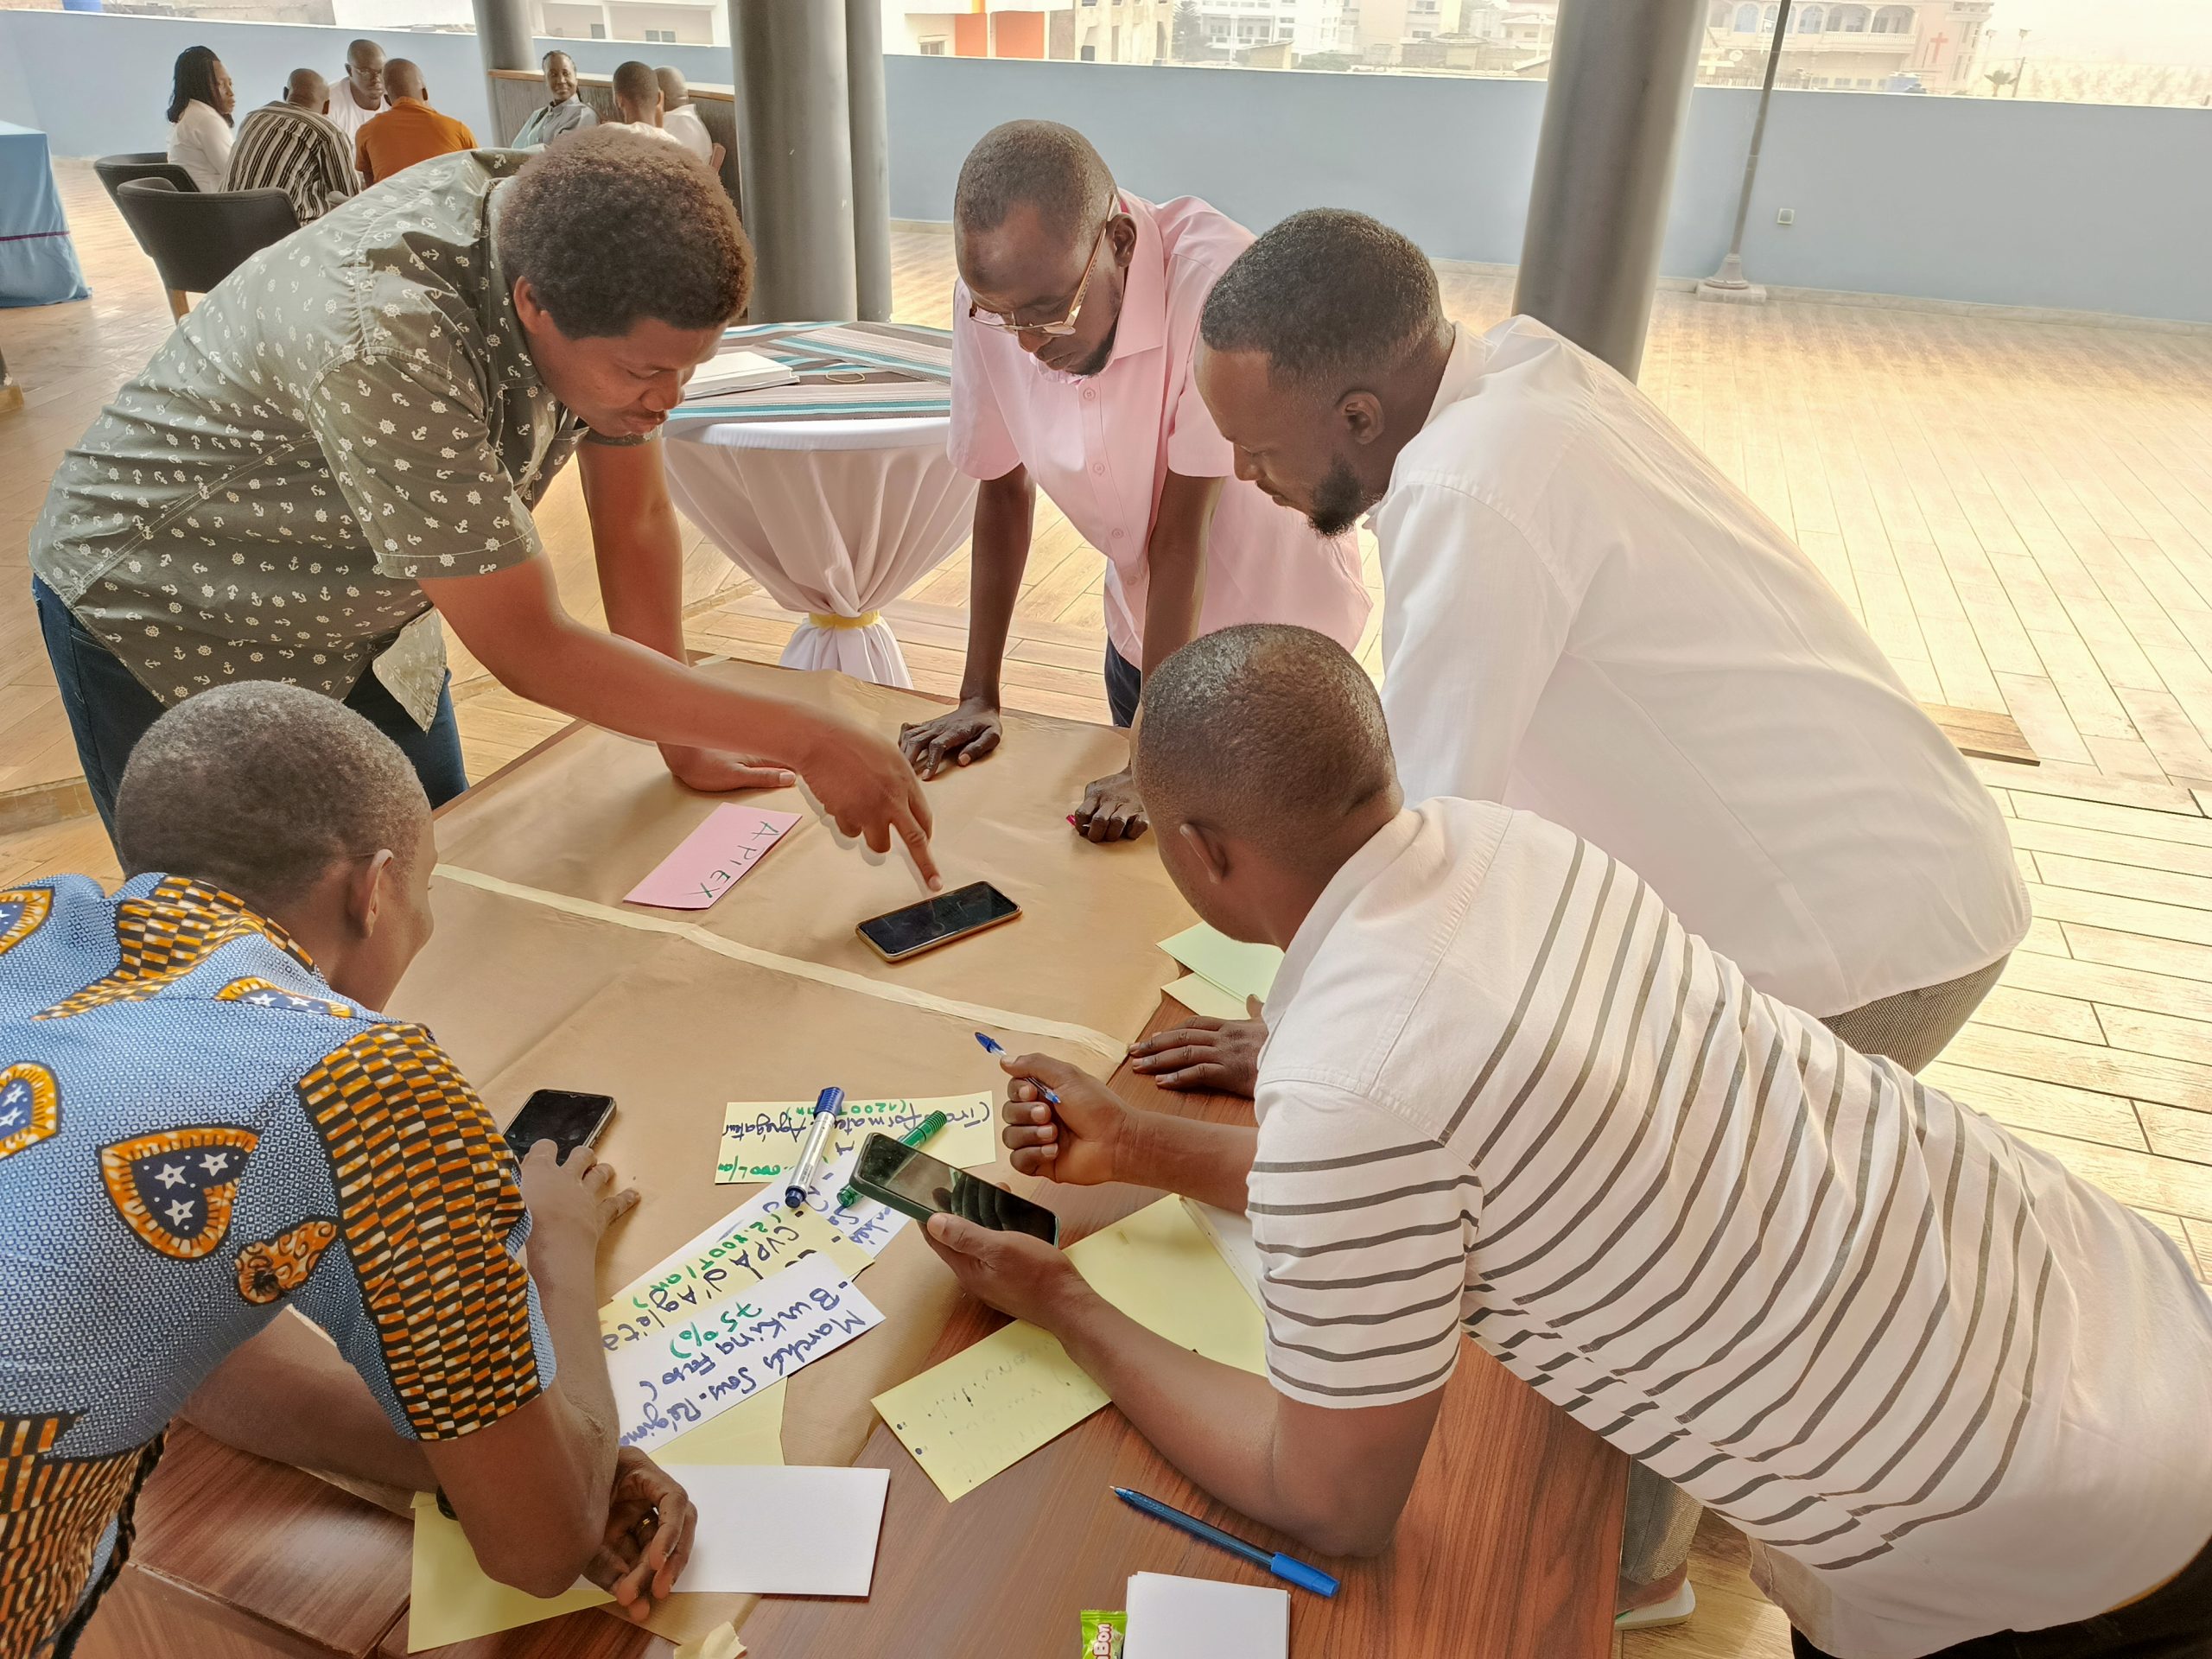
808 1170
993 1048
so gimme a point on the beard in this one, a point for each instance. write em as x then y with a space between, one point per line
1338 500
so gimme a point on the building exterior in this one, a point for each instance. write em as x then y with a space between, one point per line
1925 45
1085 31
1309 26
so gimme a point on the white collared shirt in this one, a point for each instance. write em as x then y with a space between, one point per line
1584 618
199 142
348 117
1945 1386
682 124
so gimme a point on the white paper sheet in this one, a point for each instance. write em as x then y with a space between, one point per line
1173 1617
784 1531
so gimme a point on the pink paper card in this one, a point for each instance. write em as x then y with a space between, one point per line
731 842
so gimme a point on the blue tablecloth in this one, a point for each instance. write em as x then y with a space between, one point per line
38 262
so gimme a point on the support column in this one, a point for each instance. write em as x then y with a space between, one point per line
1620 85
503 36
795 150
871 157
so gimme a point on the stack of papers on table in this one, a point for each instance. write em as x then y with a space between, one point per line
1204 1619
1224 972
730 372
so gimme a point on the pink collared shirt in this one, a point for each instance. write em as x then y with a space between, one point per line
1103 447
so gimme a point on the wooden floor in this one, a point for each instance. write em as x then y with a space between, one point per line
2020 512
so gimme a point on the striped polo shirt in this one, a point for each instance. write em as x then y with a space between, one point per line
1945 1388
284 147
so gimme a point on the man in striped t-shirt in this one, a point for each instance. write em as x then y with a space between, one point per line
1947 1389
292 145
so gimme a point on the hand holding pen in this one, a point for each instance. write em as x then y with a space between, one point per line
1062 1123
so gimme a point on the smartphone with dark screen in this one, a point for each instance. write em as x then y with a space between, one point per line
563 1116
899 934
915 1184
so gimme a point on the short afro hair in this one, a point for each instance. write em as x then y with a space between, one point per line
1052 167
611 226
258 788
1329 296
1270 733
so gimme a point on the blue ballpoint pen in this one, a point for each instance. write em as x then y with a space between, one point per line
991 1047
1285 1567
808 1167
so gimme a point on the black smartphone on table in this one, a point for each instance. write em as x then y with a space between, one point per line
899 934
915 1184
564 1116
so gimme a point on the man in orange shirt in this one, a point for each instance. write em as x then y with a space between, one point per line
410 131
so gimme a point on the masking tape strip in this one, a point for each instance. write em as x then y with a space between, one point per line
972 1012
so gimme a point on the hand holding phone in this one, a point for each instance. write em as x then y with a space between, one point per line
564 1116
915 1184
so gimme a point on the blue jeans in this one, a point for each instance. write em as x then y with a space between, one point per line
1124 685
109 711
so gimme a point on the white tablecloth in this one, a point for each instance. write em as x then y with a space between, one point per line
834 517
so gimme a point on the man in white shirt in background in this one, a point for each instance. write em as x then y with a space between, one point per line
1950 1391
360 97
679 118
1583 617
637 104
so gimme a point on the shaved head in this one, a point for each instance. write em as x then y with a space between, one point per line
635 83
401 78
258 788
1040 164
674 93
307 90
1266 734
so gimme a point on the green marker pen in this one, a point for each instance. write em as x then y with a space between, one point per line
913 1137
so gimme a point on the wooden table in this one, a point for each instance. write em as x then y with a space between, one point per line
1507 1549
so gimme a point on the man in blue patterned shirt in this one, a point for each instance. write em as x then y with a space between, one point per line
203 1120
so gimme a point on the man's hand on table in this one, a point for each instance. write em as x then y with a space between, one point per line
1220 1055
1014 1272
1111 810
711 772
867 786
959 738
649 1523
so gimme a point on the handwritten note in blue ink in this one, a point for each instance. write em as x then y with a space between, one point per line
712 857
682 1374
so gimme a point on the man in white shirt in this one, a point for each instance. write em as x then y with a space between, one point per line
360 97
1949 1391
679 116
1583 617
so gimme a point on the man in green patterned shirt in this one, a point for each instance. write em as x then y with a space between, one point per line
342 444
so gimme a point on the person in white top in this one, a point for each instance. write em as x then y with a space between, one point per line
1583 617
200 101
360 96
679 116
637 104
1949 1391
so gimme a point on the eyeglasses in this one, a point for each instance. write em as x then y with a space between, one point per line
1066 325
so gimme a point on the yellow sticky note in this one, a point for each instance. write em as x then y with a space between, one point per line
1201 995
721 1643
751 1431
1241 970
451 1599
988 1407
761 1139
991 1405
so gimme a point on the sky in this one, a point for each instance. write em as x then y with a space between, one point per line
2138 31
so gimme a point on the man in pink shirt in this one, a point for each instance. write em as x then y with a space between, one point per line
1074 324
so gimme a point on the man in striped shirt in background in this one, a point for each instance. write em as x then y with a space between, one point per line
292 145
1948 1391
